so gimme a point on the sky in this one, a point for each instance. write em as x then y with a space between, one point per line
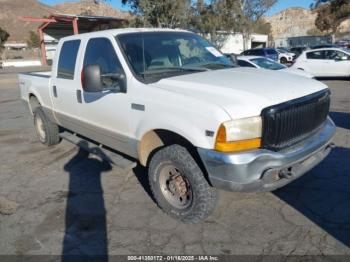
282 4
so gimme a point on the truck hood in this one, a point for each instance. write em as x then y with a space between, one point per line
295 71
241 92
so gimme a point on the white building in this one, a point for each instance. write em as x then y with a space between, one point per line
15 46
234 43
50 47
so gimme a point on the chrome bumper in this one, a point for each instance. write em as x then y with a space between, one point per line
265 170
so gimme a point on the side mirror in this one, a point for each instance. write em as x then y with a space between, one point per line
115 82
91 79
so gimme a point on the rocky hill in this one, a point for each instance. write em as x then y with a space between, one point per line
12 10
296 22
89 7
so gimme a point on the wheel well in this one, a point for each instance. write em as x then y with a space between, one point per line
154 140
33 102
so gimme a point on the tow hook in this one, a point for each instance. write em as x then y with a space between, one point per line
331 146
286 173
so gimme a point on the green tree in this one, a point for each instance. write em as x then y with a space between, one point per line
330 14
231 16
3 38
262 27
33 40
160 13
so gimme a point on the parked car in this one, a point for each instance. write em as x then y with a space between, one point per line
171 100
232 57
344 43
285 56
325 46
298 50
266 52
325 62
267 63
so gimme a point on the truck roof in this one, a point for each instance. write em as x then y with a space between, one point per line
116 32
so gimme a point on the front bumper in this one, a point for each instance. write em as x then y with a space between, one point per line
265 170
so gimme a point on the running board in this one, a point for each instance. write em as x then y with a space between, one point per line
102 152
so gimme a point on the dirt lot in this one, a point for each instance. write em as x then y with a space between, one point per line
70 203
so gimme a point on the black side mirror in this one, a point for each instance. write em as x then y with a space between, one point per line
114 82
91 79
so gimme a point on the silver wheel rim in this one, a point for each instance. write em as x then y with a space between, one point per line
39 124
175 187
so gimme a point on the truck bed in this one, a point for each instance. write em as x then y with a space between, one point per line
36 83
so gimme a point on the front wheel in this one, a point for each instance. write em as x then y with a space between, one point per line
283 60
179 186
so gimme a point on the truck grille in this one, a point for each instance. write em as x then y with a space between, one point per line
290 122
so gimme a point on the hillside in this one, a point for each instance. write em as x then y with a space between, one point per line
89 8
11 10
296 22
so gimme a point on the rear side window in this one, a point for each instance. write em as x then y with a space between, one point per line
316 55
67 59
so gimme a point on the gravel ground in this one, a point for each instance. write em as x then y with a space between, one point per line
65 202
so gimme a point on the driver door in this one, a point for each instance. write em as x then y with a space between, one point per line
337 63
106 114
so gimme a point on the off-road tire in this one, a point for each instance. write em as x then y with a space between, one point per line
204 197
50 129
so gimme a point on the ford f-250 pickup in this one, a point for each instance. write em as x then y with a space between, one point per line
171 100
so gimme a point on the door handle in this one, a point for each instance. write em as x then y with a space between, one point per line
79 96
54 90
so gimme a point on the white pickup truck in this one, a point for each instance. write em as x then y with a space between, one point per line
171 100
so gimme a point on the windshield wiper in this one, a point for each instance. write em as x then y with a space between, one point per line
162 70
217 66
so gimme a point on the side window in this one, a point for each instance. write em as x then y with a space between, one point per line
100 51
336 55
316 55
67 59
243 63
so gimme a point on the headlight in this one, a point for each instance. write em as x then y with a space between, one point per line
239 135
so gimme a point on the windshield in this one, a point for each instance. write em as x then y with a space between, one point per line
282 50
271 52
267 63
156 55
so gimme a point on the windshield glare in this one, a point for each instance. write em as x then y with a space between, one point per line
151 53
267 64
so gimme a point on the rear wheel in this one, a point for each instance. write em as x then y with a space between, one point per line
47 131
179 186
